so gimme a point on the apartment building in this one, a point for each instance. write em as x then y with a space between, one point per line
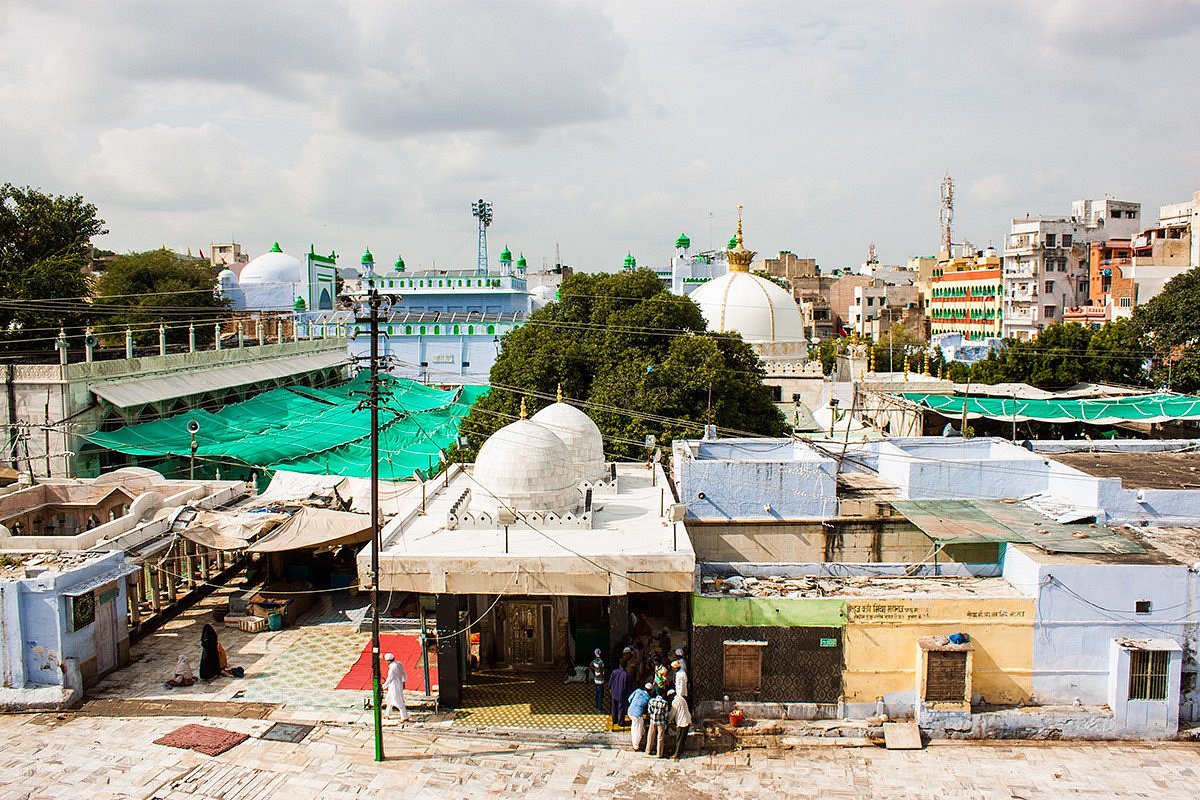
1046 267
968 300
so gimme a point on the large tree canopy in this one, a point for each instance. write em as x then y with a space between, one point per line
43 250
1170 323
143 290
638 355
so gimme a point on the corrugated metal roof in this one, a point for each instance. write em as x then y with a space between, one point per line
971 521
169 386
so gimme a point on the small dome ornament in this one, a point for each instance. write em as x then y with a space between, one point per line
524 412
738 256
560 395
506 254
683 242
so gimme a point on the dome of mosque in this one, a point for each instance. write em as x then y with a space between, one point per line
630 261
273 266
299 304
227 278
683 242
506 254
524 466
581 436
759 309
521 262
399 265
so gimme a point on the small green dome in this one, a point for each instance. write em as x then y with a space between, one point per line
399 264
630 261
299 304
683 242
368 258
732 242
275 248
506 254
521 263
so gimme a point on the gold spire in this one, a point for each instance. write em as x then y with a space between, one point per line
739 257
560 393
523 411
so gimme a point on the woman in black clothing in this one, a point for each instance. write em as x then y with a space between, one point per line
210 658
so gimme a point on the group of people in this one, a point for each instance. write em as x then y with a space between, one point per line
651 689
213 662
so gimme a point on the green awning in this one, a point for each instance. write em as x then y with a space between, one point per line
316 431
1159 407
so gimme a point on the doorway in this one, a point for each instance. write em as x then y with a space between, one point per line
106 636
528 634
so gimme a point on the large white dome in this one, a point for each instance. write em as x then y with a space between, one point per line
759 309
585 445
273 281
526 467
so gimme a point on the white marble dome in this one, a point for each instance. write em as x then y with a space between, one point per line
524 466
273 281
585 445
759 309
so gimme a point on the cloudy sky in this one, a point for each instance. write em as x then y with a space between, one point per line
600 126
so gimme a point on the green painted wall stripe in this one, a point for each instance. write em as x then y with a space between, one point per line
762 612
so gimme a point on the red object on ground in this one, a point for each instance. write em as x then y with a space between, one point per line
407 650
736 717
203 739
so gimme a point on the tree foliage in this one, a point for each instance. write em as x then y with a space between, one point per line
143 290
638 355
43 250
1170 326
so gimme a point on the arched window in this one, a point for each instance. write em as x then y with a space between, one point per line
437 330
456 330
470 330
491 328
408 328
389 330
422 333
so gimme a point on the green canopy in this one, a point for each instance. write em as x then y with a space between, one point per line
1159 407
316 431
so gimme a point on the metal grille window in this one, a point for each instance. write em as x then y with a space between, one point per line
1148 674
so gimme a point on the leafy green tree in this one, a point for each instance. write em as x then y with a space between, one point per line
1170 325
43 250
1117 353
143 290
638 355
827 352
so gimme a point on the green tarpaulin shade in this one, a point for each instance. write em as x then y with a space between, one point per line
316 431
1160 407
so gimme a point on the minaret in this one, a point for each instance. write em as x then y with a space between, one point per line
738 256
682 244
506 261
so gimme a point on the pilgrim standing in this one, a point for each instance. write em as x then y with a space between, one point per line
619 684
598 671
393 687
637 714
210 657
681 718
657 709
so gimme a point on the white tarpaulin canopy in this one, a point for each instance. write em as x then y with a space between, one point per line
315 527
223 530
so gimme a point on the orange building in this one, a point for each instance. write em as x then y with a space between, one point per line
967 302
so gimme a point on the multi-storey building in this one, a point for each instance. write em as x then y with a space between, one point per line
1046 261
969 301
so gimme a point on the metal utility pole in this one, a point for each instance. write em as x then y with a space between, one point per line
374 301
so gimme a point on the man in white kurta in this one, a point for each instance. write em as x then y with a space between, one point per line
393 688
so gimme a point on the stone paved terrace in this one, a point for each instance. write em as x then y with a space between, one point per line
75 755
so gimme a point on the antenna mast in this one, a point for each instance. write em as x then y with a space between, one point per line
947 214
483 212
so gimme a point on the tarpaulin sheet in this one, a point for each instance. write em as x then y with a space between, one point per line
315 527
1158 407
223 530
316 431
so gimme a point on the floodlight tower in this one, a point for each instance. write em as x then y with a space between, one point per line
483 212
947 213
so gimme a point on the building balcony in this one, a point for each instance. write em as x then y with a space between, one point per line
1116 262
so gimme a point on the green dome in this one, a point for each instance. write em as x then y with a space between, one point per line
275 248
399 264
630 261
299 304
732 242
521 263
683 242
368 258
506 254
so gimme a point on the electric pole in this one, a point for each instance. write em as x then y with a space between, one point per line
373 301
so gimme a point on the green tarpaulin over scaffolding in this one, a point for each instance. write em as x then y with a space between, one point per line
316 431
1160 407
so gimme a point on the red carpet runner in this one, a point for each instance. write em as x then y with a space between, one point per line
406 649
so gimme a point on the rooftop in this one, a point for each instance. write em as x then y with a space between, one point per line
1139 470
872 586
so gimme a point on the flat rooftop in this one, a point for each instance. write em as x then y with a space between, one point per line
630 547
1139 470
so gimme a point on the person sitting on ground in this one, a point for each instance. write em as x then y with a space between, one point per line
637 714
223 660
183 674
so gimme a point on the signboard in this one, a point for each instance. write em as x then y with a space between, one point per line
829 643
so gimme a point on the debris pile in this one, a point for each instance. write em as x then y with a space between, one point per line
849 586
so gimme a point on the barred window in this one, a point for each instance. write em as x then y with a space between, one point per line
1148 674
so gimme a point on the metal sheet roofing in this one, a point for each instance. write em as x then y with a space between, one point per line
168 386
978 521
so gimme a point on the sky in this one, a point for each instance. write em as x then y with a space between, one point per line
598 128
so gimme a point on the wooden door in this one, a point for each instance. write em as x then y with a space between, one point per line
106 637
521 629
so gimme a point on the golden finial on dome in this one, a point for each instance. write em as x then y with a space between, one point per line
560 393
523 411
738 257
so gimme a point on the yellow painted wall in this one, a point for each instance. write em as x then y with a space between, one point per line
880 644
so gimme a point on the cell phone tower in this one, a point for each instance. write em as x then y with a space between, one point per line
947 214
483 212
